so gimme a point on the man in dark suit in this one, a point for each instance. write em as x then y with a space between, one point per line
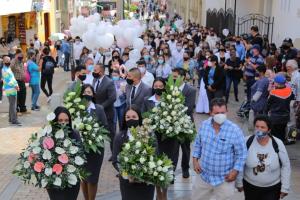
136 90
105 96
189 94
80 76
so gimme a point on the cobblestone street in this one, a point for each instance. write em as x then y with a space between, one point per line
13 139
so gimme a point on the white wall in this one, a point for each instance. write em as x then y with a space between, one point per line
287 20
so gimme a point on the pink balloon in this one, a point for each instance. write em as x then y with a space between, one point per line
122 43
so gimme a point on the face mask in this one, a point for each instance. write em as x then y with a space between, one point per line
152 53
238 42
7 64
260 134
178 48
185 59
129 81
132 123
116 57
206 57
158 91
20 58
82 77
220 118
146 57
172 39
90 68
160 61
87 97
209 63
142 69
115 78
96 75
77 42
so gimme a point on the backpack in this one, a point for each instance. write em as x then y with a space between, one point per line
48 66
274 144
27 73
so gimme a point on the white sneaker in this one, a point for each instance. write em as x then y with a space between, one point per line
49 99
0 101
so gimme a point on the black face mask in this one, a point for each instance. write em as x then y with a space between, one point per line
82 77
116 57
129 81
158 91
87 97
132 123
238 42
20 58
7 64
185 59
172 39
96 75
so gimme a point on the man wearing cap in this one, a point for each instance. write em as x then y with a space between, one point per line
278 106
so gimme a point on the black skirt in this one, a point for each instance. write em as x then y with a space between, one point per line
93 166
136 191
67 193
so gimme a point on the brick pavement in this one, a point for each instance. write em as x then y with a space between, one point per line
13 139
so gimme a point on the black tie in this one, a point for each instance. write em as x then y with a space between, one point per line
98 83
133 92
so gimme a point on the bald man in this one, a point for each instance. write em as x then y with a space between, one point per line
10 87
136 90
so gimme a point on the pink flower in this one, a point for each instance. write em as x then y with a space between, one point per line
31 157
48 143
38 167
57 168
63 158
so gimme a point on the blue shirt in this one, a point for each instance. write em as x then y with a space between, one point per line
211 76
220 153
65 47
241 50
33 70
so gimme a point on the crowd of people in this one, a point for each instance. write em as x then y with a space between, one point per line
119 94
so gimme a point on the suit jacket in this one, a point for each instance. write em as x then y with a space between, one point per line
147 105
189 94
142 92
219 78
100 115
106 96
119 140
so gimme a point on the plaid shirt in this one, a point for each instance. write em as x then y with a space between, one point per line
17 68
219 153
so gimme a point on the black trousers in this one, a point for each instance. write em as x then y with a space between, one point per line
186 151
47 79
65 194
21 97
1 93
111 129
253 192
278 130
136 191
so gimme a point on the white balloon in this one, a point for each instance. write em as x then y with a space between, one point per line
134 55
225 32
138 44
130 34
130 64
109 29
108 40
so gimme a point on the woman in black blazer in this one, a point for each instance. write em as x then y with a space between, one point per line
94 160
214 79
129 190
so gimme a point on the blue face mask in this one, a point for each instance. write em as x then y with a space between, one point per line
160 61
115 78
260 134
146 57
90 68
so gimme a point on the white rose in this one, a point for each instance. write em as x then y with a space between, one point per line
48 171
96 125
161 178
159 162
178 100
138 144
137 151
165 113
142 160
151 165
44 183
173 113
151 158
47 155
57 181
36 150
161 127
88 127
177 93
77 100
155 173
100 137
26 154
35 143
172 87
133 167
59 150
79 160
51 116
72 110
159 168
169 118
60 134
127 146
176 88
71 168
73 149
169 97
41 133
155 109
67 142
72 179
163 104
165 169
18 167
26 164
93 135
71 94
90 142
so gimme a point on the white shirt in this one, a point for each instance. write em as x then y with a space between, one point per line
89 79
91 107
153 98
136 88
77 49
181 87
176 57
148 79
172 45
37 44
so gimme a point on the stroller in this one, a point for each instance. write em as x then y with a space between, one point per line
244 110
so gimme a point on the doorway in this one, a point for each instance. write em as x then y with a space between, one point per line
47 28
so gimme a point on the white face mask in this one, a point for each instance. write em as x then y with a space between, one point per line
142 69
220 118
209 63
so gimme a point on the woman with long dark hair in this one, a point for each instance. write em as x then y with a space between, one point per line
130 190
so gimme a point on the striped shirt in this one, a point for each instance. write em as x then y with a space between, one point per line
220 153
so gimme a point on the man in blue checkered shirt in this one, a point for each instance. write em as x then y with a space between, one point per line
219 155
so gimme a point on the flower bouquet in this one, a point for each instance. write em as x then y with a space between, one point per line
139 162
169 118
52 159
92 133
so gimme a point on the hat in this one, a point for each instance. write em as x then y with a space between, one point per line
256 46
280 79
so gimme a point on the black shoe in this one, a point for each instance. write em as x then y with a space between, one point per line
17 123
185 174
236 99
110 159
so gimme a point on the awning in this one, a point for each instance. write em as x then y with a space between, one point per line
15 6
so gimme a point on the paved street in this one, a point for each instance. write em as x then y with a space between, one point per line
13 139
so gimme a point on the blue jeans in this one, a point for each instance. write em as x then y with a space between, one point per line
35 94
229 80
119 115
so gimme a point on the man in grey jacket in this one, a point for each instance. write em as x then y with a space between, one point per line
105 96
136 90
